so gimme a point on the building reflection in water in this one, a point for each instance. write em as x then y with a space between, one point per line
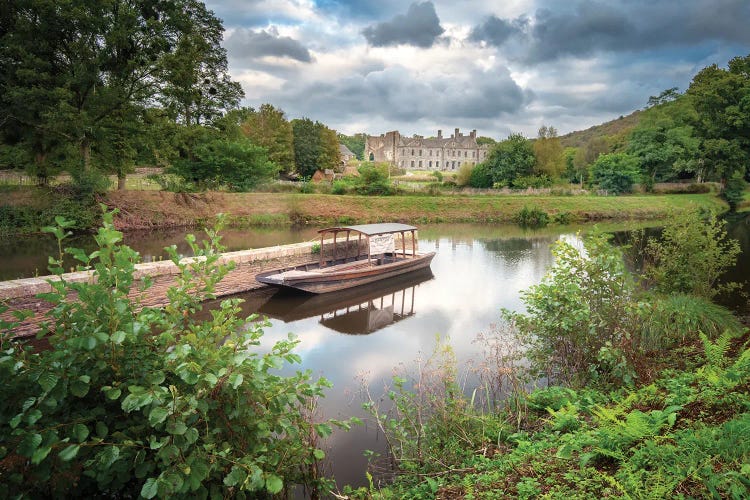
360 310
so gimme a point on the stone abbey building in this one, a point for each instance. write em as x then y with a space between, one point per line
419 153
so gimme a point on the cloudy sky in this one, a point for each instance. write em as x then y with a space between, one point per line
495 66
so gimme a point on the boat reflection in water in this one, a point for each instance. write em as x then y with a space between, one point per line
360 310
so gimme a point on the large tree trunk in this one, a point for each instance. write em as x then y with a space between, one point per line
121 182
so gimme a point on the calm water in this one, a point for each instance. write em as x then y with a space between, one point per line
362 336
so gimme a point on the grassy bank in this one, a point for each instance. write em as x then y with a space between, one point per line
143 209
25 209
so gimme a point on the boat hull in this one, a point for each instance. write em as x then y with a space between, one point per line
324 281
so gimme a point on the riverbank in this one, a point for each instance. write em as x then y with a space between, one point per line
149 209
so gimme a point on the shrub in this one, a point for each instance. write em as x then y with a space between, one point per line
734 191
562 218
480 177
237 164
616 172
463 176
531 181
132 401
583 304
531 217
437 175
691 255
373 180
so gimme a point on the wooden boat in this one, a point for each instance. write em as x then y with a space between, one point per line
373 258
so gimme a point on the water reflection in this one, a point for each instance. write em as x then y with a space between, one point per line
360 310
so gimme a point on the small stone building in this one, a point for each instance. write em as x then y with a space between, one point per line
346 154
431 153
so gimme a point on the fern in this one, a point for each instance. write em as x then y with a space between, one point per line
716 352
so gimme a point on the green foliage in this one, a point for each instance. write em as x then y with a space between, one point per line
734 190
664 142
373 180
315 147
509 159
463 176
669 320
269 128
691 255
531 217
615 173
582 305
480 176
722 103
531 181
133 401
437 175
238 165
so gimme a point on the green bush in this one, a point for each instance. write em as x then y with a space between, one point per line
615 173
531 217
132 401
531 181
373 180
583 305
691 255
734 191
480 177
237 164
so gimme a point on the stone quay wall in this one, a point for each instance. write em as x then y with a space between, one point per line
21 294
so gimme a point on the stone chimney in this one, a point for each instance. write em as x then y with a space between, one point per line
440 134
457 135
473 134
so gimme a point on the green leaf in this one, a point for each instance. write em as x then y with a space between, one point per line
80 432
33 416
236 379
109 455
101 430
48 381
40 454
319 454
323 430
176 427
274 484
112 392
150 488
69 453
29 444
158 415
118 337
235 476
79 388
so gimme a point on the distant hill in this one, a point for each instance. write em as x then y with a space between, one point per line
619 127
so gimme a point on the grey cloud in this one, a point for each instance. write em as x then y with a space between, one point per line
588 27
420 26
496 31
394 94
245 44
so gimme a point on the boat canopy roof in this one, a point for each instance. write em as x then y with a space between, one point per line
372 229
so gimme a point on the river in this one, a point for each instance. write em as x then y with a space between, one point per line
362 337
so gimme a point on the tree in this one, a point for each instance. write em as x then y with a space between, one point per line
197 86
76 75
549 152
268 127
721 98
666 96
306 146
509 159
663 142
615 172
734 190
315 147
236 164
